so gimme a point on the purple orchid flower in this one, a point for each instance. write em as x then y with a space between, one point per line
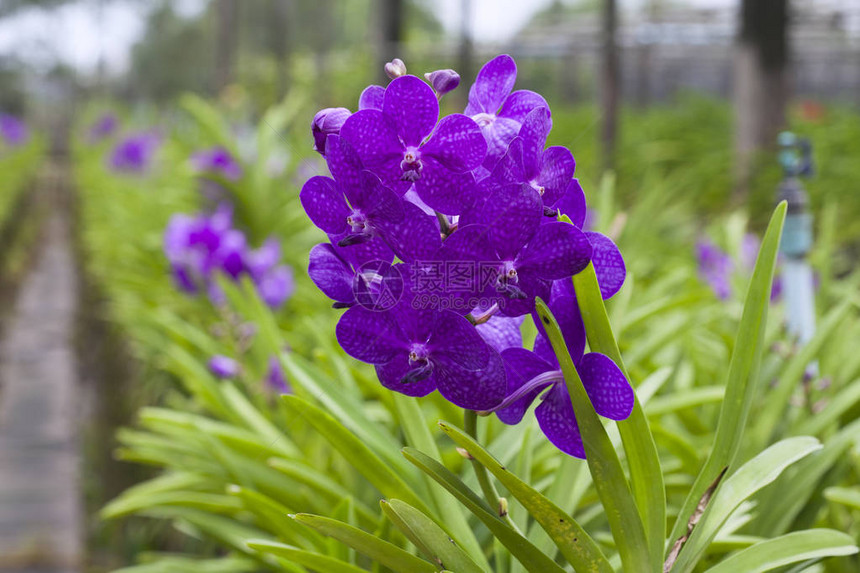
403 145
530 374
223 366
495 109
327 122
217 160
371 98
417 352
134 153
276 378
443 81
13 130
104 127
519 257
356 206
715 267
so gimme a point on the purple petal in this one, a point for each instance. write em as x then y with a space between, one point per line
374 138
572 203
513 214
556 170
457 143
360 253
371 98
494 82
331 274
475 390
533 286
521 366
324 203
456 340
276 286
412 107
501 332
533 134
370 336
557 251
391 376
343 163
558 422
375 200
444 190
566 312
608 264
520 103
607 388
412 236
499 134
223 366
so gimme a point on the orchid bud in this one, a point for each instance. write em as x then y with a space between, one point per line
326 122
443 81
395 68
223 367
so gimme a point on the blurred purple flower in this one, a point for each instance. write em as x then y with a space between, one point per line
217 161
134 153
276 378
715 267
13 130
223 367
103 127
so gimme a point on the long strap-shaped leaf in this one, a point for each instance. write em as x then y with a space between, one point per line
526 553
418 436
377 549
743 372
310 559
355 451
751 477
603 462
646 476
429 537
787 549
572 540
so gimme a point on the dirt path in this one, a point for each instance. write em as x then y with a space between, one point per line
40 507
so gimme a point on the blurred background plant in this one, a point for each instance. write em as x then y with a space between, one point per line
219 459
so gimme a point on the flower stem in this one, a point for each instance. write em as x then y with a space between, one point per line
470 426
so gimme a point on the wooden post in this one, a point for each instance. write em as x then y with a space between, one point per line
609 96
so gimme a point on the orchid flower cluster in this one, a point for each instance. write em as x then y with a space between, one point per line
201 247
13 130
442 233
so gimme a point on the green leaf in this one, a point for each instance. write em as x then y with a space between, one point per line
418 436
572 540
787 549
646 475
355 452
525 552
743 373
751 477
377 549
429 537
277 519
849 496
309 559
607 473
691 398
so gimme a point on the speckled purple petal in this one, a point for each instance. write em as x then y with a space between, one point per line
344 164
556 171
360 253
457 143
608 264
566 312
444 190
412 236
276 286
374 138
558 422
518 105
533 134
557 251
456 339
494 82
324 203
376 201
472 389
513 214
521 366
371 97
412 107
499 134
533 286
502 332
370 336
391 375
331 274
607 388
509 169
572 203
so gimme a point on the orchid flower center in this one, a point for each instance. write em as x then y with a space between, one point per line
357 221
539 188
507 280
411 165
418 354
420 366
484 119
